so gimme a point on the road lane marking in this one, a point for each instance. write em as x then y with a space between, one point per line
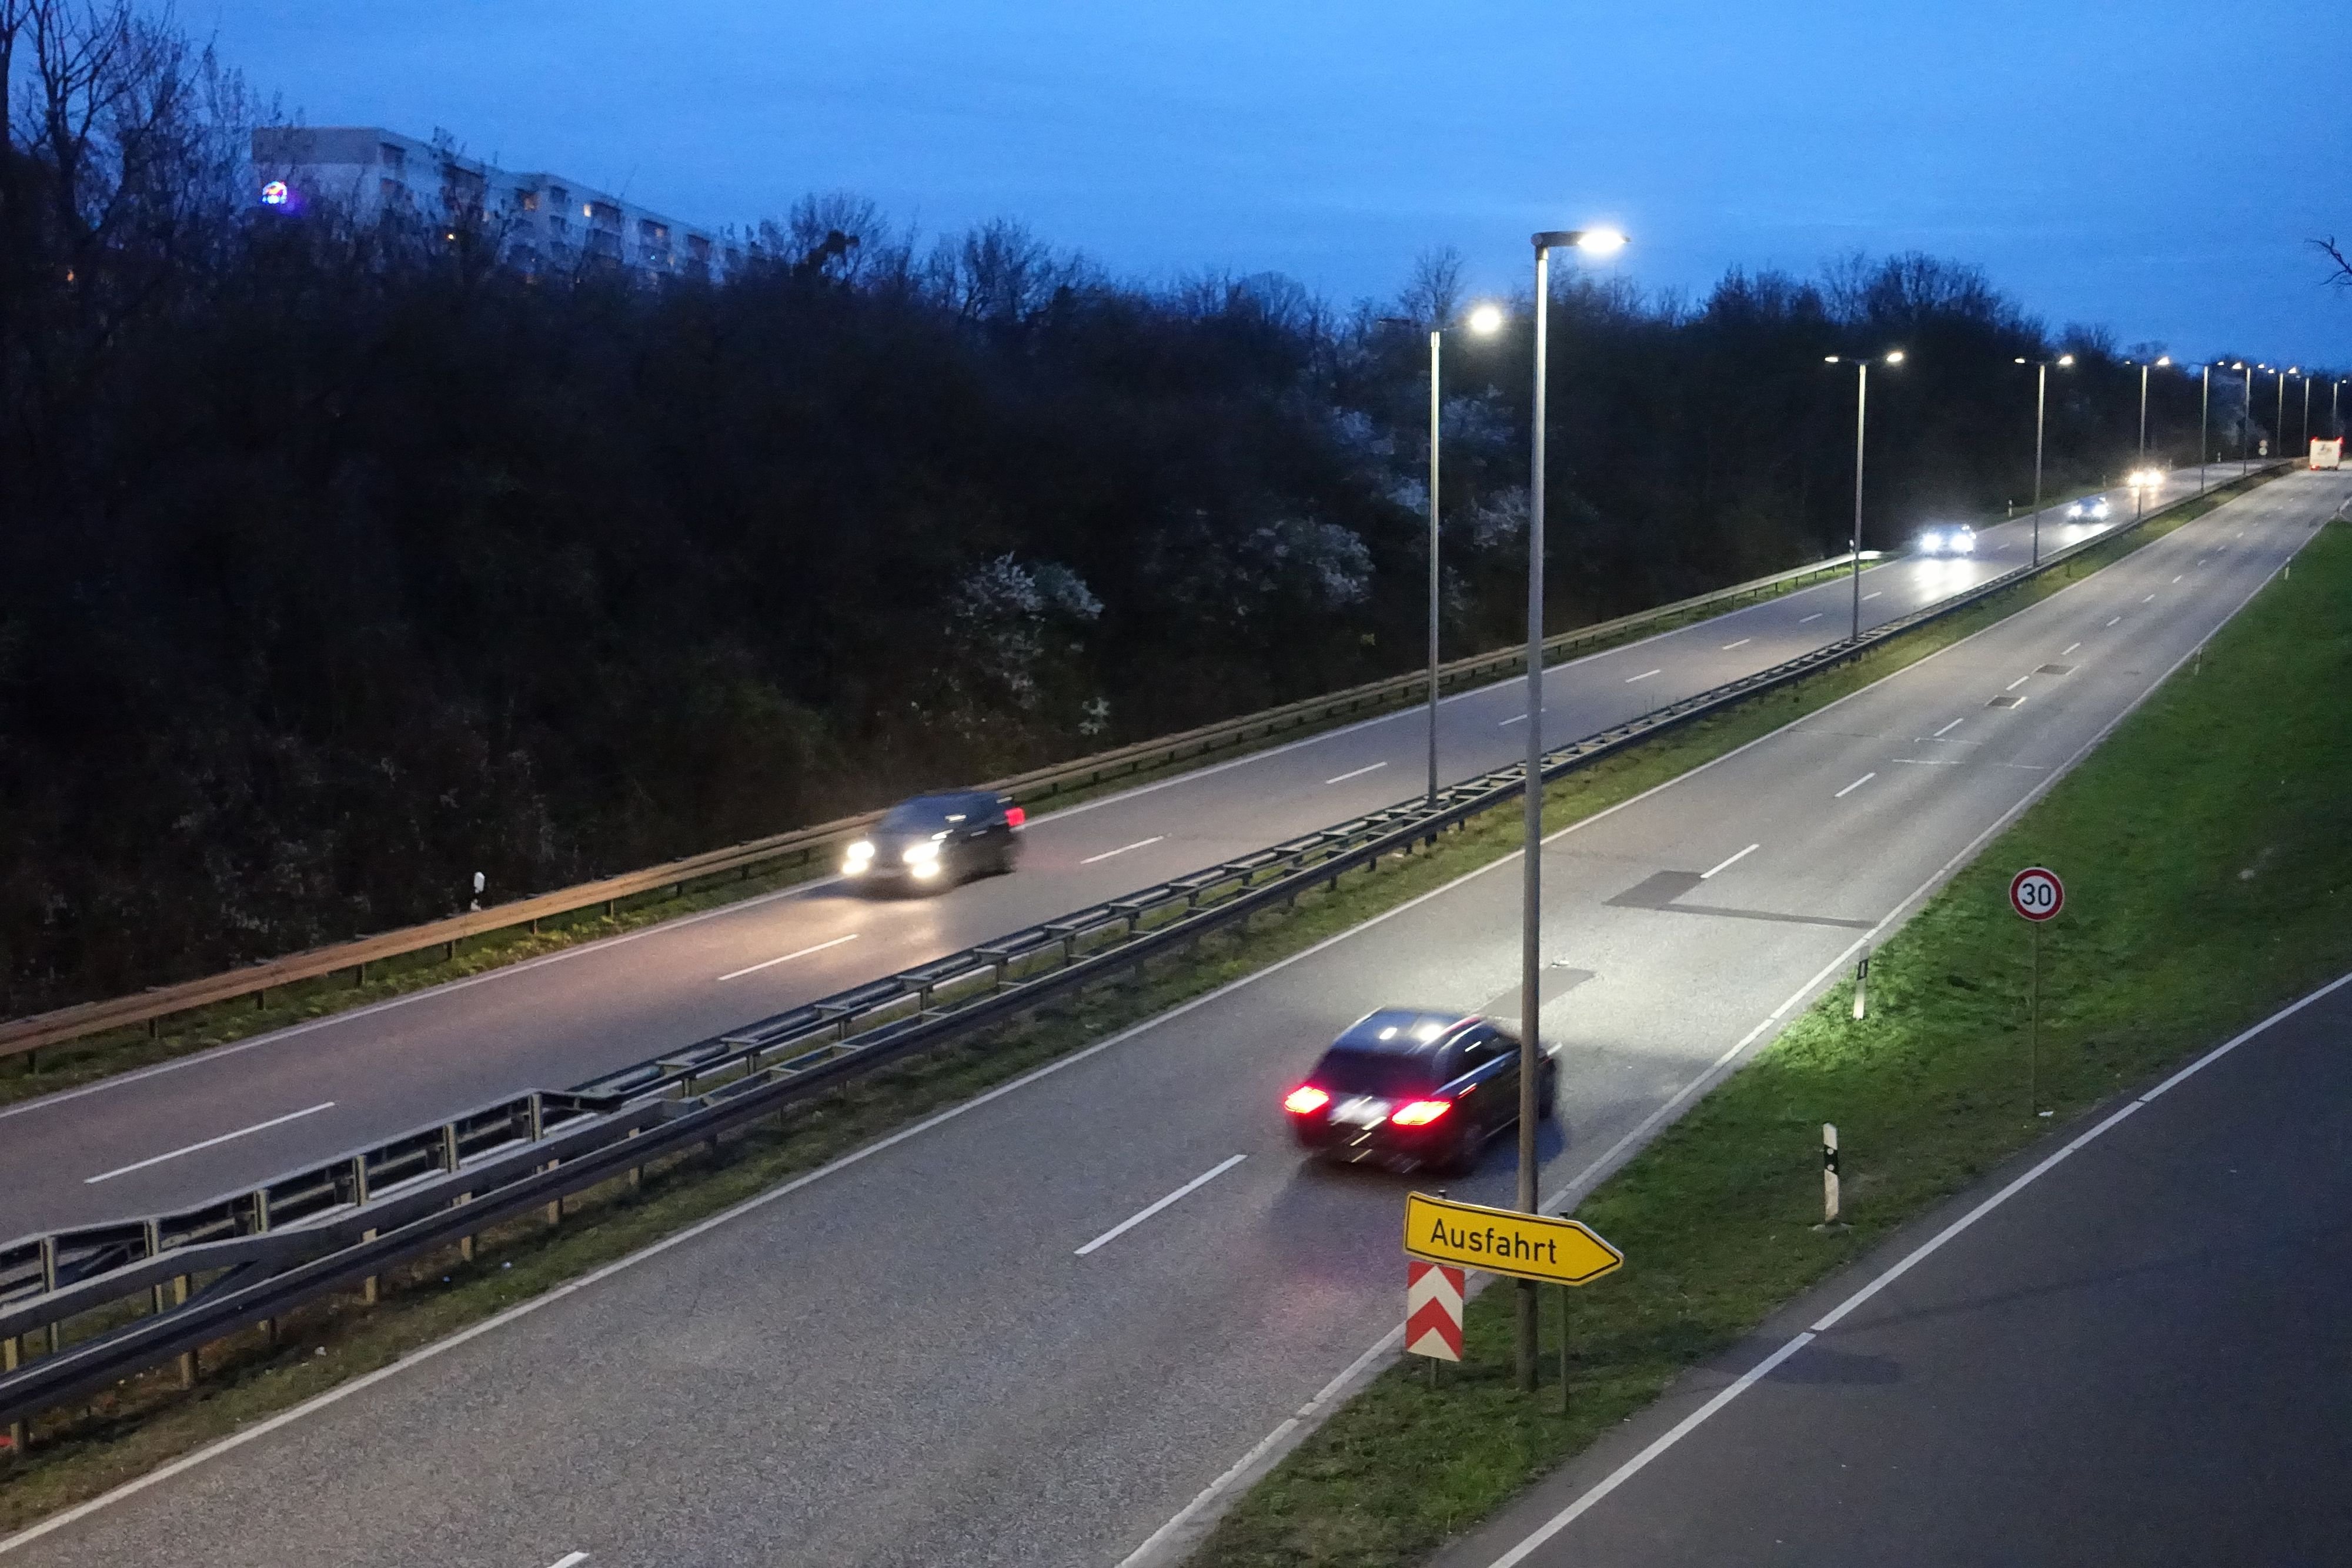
2150 600
570 1559
209 1143
1559 1521
1645 675
2118 620
1947 729
1728 647
1358 773
1519 719
1734 861
1132 1221
1855 785
1139 843
790 956
1872 594
1816 615
2068 649
2017 683
2178 578
1930 761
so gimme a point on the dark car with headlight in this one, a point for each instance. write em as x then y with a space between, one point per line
937 841
2090 509
1412 1089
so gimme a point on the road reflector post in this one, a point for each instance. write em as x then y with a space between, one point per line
1830 1204
1861 984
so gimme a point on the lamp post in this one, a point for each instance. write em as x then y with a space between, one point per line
2040 404
2145 366
2281 425
2204 418
1483 320
1594 242
1860 413
2245 431
2304 430
2334 418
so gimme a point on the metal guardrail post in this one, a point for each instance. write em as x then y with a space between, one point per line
261 1228
187 1362
49 1284
20 1435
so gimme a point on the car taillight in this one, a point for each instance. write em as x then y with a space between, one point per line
1419 1112
1305 1100
1014 816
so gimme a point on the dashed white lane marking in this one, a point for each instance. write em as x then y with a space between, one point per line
1734 861
788 958
2150 600
1947 729
1816 615
1520 718
2116 621
1872 594
570 1559
2068 649
1139 843
2178 578
1132 1221
1763 1369
1855 785
1728 647
1930 761
2017 683
1645 675
1357 773
209 1143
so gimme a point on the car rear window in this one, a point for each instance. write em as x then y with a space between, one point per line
1388 1074
926 813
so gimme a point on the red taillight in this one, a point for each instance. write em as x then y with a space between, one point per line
1305 1100
1419 1112
1014 816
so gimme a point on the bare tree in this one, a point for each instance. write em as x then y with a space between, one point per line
2342 276
1434 293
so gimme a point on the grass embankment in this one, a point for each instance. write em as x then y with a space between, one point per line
72 1063
2207 851
146 1421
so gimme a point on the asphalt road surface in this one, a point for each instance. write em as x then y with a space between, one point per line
173 1136
2142 1358
991 1340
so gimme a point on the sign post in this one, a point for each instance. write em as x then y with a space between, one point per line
1535 1248
2036 893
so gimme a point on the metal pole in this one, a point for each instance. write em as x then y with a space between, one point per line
2304 430
2142 416
2245 431
2204 423
1861 408
1531 874
2034 1029
2281 416
1432 566
2041 395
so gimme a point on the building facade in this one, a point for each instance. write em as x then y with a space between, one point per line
545 223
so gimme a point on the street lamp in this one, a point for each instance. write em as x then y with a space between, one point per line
2282 409
2040 403
1483 320
1595 242
1861 412
2143 366
2204 418
2306 428
2243 431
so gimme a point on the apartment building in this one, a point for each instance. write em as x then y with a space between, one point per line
546 222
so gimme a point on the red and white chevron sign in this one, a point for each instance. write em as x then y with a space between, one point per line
1432 1310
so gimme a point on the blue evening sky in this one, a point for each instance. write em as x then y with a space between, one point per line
2154 167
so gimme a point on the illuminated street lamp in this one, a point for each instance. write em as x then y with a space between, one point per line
1861 409
2040 403
2144 367
2242 365
1596 242
1485 320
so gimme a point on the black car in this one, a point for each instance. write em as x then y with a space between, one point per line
1409 1088
938 841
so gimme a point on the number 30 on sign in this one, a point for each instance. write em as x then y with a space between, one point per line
2037 894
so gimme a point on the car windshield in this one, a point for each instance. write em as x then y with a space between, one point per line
925 814
1388 1074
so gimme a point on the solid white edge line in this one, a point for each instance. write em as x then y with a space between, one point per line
788 958
1357 773
1269 1449
1139 844
1734 861
1855 785
209 1143
1640 1461
1360 1367
1132 1221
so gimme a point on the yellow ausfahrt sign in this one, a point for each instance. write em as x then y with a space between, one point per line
1505 1241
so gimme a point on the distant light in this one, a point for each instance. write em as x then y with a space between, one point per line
2065 358
1601 242
1894 358
1486 319
273 194
2164 358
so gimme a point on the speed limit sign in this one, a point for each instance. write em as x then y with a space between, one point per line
2037 894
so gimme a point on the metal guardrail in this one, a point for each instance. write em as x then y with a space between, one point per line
803 845
247 1258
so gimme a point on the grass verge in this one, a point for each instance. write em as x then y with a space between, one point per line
2207 849
78 1452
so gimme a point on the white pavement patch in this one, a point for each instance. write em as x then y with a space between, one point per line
208 1142
771 963
1683 1428
1132 1221
1139 844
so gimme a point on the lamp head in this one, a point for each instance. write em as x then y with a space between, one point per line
1485 320
2065 358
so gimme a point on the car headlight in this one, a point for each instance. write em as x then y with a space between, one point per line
856 858
922 854
1931 541
1966 544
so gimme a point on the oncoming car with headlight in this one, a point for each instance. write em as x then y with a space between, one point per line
937 841
1957 540
1409 1088
2089 509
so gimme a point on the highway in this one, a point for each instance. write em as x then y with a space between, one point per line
2141 1358
219 1122
1029 1331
